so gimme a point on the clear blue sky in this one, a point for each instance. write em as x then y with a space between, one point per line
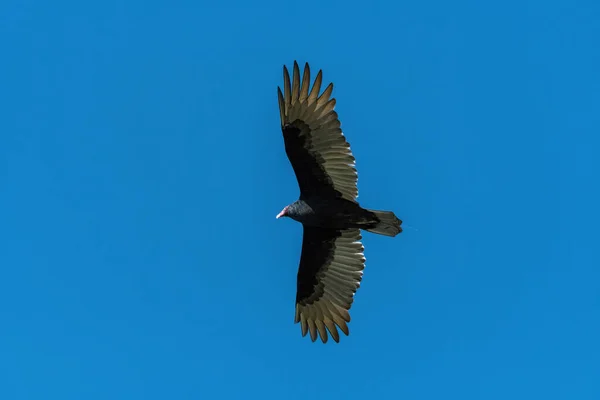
142 165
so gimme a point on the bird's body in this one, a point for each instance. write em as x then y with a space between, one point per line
332 260
331 213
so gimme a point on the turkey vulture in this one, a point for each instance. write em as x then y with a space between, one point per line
332 260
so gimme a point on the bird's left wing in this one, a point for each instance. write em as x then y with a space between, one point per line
314 142
331 268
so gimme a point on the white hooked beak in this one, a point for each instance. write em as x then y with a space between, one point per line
282 213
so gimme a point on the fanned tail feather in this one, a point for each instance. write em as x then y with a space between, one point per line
388 225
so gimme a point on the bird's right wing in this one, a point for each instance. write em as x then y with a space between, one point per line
331 268
314 143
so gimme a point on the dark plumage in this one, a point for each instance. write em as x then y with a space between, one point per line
332 260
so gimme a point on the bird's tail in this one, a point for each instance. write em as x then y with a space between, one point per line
388 224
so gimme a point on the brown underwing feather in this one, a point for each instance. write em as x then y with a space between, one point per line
315 145
329 274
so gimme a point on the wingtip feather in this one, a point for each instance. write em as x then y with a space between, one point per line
305 83
281 106
316 88
295 83
287 89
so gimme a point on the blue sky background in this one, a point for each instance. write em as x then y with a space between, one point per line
142 166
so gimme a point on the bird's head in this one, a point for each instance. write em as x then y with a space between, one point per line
283 213
298 211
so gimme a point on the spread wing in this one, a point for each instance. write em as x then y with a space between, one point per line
314 143
331 268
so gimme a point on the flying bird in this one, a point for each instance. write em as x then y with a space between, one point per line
332 259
